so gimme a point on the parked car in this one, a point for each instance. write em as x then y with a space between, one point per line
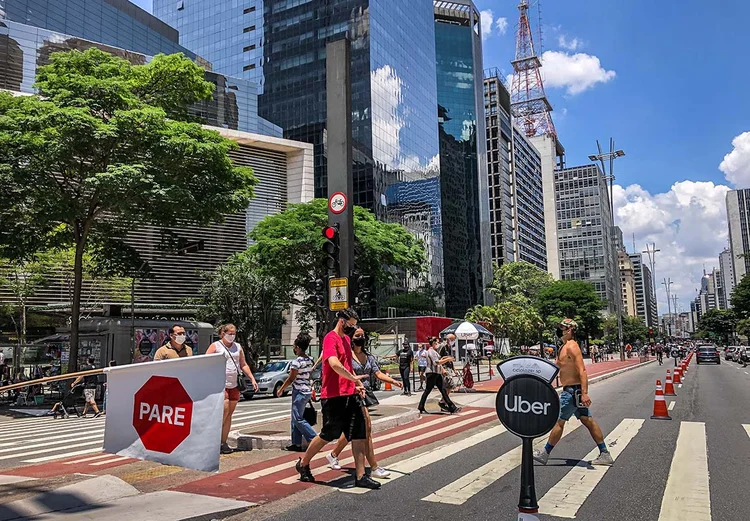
707 354
728 352
269 378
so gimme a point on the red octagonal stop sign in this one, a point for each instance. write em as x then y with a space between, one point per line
162 413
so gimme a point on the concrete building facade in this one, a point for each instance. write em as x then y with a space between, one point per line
552 154
644 292
738 221
627 284
515 183
726 266
584 230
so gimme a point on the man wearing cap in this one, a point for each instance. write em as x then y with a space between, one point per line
574 399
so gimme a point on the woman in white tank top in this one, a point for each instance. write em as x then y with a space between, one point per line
235 356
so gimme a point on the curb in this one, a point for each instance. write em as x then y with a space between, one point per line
600 378
251 442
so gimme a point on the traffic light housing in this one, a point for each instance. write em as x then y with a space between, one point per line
317 292
364 289
331 248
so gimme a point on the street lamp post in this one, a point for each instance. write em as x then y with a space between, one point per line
611 156
667 286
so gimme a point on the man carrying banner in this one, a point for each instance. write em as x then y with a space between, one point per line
340 394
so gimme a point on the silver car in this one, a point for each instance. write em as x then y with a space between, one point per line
269 379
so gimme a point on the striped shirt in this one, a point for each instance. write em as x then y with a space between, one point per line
304 366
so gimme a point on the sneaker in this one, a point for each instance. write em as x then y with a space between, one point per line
294 448
366 482
605 459
541 456
98 414
226 449
443 406
456 410
333 462
380 472
304 472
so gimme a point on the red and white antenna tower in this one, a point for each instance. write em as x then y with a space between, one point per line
528 100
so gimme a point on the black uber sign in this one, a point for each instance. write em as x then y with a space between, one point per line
528 406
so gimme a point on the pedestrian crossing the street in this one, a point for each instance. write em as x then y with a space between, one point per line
45 439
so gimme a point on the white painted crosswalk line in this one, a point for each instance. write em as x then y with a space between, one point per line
91 458
568 495
671 406
108 461
63 455
262 420
63 443
282 466
407 466
747 428
51 449
687 496
464 488
424 436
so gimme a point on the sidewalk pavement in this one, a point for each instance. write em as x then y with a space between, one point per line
596 372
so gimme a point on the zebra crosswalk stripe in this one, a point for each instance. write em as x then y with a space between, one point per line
568 495
464 488
687 495
747 428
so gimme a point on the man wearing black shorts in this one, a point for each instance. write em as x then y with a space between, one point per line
340 395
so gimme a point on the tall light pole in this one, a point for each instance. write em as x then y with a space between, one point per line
667 286
651 251
601 157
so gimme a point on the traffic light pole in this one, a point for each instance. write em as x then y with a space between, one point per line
339 150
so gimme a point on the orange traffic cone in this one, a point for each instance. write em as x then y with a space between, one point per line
492 373
677 378
684 370
388 386
669 386
660 404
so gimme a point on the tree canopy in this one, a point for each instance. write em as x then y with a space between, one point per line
634 330
574 299
717 324
518 278
741 298
107 146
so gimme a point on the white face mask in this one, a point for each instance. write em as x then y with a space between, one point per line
229 338
179 339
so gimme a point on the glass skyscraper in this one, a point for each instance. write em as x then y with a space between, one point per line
281 45
463 155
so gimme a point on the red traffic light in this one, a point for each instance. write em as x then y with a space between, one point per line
330 232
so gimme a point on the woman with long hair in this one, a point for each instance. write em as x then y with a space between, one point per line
364 363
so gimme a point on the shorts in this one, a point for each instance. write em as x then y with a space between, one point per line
343 415
233 394
568 404
89 395
422 369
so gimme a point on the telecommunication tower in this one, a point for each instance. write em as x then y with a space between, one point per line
529 102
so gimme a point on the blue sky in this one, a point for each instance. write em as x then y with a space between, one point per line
667 81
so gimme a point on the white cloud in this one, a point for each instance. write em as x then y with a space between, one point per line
736 164
688 224
486 21
574 72
570 45
501 24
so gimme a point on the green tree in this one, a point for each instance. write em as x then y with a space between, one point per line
241 293
574 299
717 324
634 330
741 298
418 301
288 246
515 319
743 327
107 146
518 278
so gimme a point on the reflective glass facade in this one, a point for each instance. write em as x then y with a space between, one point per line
463 156
584 230
281 44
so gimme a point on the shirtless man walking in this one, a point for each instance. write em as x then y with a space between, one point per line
575 381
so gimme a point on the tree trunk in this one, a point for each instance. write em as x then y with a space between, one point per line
75 310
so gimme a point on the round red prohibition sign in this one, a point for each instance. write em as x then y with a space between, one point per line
162 414
337 202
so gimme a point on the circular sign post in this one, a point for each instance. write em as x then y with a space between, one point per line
529 407
162 413
337 203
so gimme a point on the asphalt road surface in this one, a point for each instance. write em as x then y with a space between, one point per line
661 472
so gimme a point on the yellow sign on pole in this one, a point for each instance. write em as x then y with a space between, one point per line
338 293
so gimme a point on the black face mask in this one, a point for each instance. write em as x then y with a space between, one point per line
559 332
349 330
359 341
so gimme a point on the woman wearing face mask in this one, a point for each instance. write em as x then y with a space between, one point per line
364 364
235 356
299 379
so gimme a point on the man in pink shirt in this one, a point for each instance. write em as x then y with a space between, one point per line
340 396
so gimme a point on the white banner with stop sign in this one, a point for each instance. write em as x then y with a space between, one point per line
167 411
